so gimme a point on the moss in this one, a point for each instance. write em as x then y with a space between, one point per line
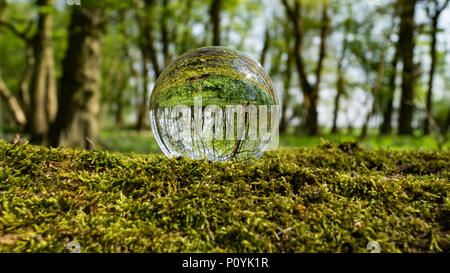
215 90
327 198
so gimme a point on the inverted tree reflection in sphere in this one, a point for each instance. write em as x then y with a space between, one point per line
214 103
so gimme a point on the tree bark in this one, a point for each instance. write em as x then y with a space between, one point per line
77 123
43 98
214 13
406 47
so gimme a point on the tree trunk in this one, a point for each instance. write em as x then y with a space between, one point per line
77 123
340 83
376 87
134 73
386 125
149 53
286 96
3 6
184 46
121 85
337 99
143 105
265 47
24 88
435 20
310 91
165 32
43 100
119 109
434 30
147 30
406 47
13 104
214 13
446 128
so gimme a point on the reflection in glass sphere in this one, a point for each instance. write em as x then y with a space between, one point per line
214 103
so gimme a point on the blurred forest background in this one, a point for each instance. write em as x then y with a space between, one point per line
79 73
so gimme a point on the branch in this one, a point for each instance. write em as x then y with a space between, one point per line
444 6
289 10
13 29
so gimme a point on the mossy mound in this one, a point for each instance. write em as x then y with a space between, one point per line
328 198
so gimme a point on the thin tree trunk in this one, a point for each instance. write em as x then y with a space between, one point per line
186 32
3 5
143 105
310 91
340 89
286 96
24 88
119 102
149 52
265 47
43 99
337 99
214 13
19 107
126 48
77 123
376 87
386 125
406 47
12 103
435 20
446 128
147 30
434 31
165 32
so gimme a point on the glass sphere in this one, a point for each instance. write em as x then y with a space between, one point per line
214 103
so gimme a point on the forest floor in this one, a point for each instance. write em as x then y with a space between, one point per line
325 198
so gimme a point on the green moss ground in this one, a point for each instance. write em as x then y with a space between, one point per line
326 198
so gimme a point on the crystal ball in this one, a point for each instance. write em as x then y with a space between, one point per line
214 103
